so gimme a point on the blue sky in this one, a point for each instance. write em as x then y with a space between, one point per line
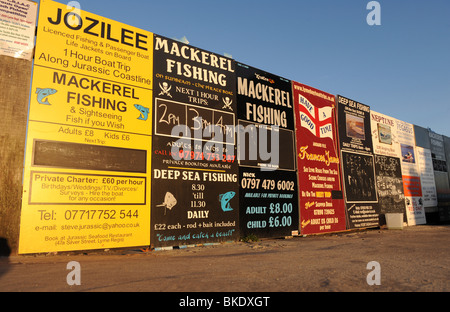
400 68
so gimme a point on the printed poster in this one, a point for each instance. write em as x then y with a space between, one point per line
266 153
88 154
322 206
17 28
384 135
415 212
425 164
358 166
195 190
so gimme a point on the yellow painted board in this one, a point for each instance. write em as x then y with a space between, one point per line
87 173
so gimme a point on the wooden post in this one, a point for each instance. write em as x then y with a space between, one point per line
15 77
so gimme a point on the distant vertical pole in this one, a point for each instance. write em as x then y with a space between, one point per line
15 76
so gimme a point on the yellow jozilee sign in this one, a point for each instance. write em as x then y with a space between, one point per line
88 155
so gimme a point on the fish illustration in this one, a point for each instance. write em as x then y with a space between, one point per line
169 202
42 95
225 200
143 110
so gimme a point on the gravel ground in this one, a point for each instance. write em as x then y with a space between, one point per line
415 259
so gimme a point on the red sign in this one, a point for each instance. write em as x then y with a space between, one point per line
322 207
412 186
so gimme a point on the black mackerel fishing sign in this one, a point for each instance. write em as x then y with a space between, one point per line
266 153
194 165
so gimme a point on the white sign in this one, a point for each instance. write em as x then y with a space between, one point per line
425 163
415 211
384 135
17 28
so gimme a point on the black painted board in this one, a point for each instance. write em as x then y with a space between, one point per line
266 152
388 174
358 175
195 187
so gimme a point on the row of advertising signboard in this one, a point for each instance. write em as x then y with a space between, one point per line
135 139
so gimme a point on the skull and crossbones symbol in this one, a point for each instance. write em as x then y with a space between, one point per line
165 88
227 101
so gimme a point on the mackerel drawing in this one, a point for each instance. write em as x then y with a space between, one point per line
43 94
225 200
